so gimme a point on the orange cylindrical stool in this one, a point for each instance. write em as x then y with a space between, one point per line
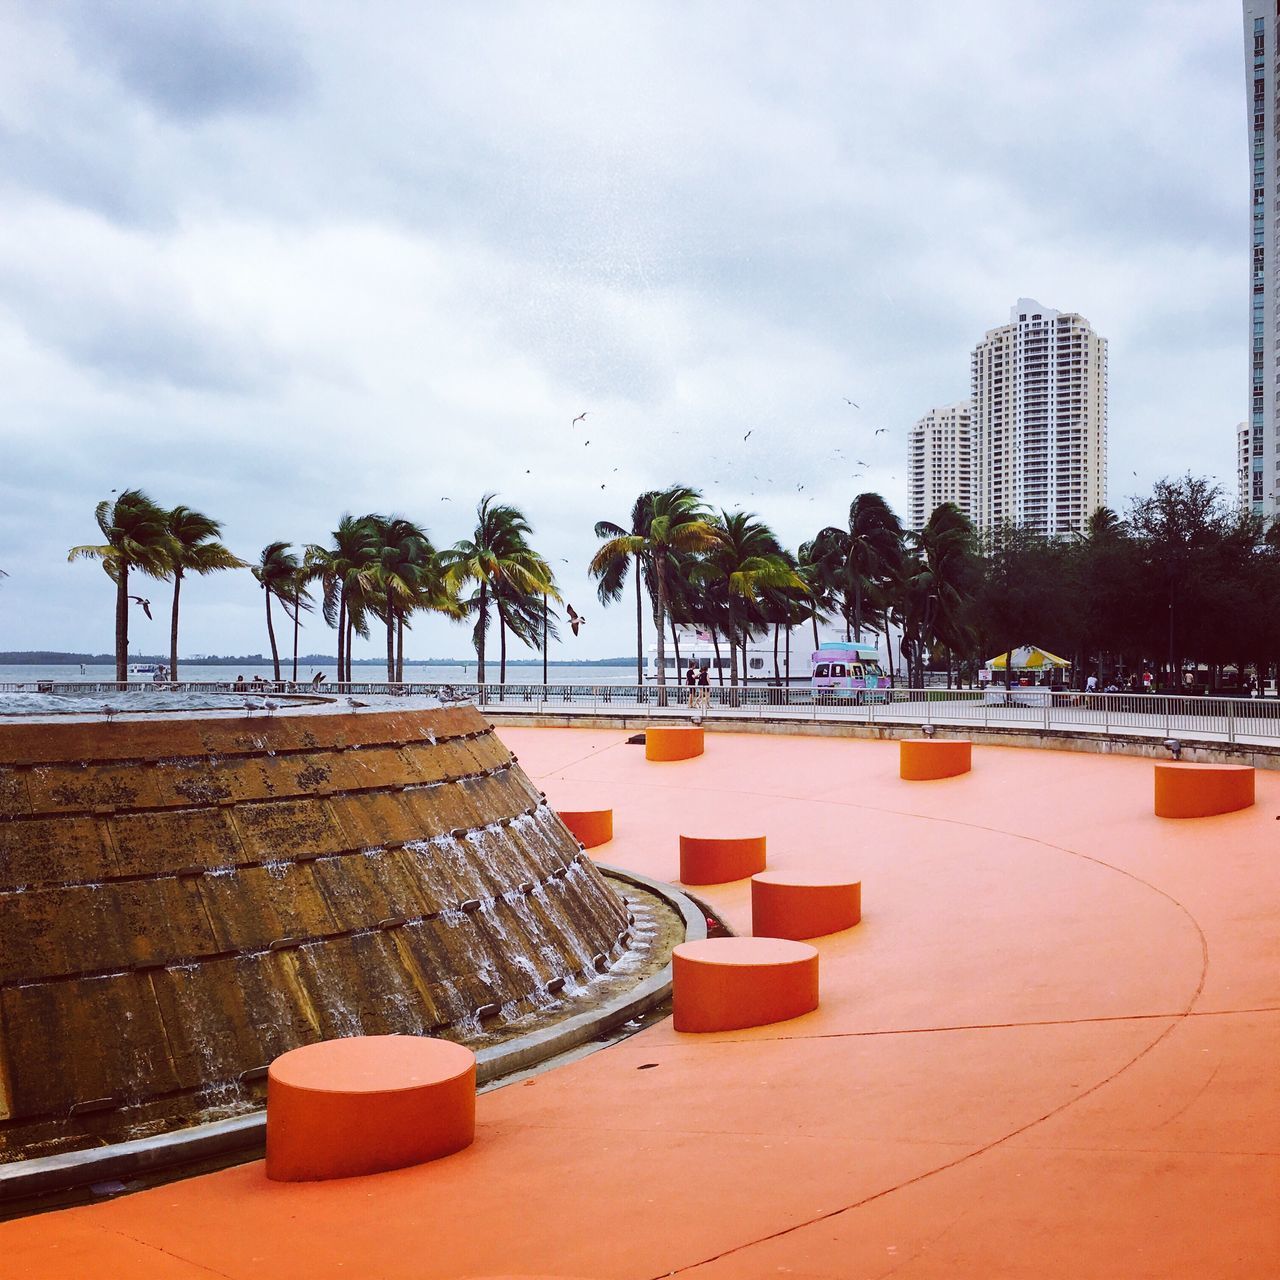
591 826
341 1108
719 859
722 984
1201 790
803 904
920 759
670 742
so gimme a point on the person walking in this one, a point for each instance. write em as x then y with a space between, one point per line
691 683
704 688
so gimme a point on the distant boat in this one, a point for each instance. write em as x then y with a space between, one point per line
148 669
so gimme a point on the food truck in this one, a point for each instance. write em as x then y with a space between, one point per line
847 669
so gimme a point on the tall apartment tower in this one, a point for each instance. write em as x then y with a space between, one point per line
1261 41
1039 421
940 463
1244 467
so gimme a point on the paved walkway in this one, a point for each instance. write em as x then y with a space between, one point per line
1048 1051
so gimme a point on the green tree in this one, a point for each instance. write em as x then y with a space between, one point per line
864 558
342 570
499 560
678 522
277 573
611 573
136 537
194 549
749 560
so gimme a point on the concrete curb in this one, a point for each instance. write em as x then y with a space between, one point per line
203 1142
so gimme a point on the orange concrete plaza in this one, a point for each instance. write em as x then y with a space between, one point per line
1048 1050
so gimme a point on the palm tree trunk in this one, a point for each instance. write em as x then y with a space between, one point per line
391 639
857 609
660 573
715 644
351 640
788 654
1008 670
400 648
122 622
813 617
271 635
675 640
342 634
639 628
173 625
502 647
484 614
777 675
297 610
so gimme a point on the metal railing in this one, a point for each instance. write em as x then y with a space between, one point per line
1208 717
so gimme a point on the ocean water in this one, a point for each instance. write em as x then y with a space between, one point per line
413 672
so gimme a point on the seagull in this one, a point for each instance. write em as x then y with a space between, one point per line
748 435
250 706
852 402
578 419
271 706
146 605
576 619
881 430
446 499
353 704
602 486
108 711
860 462
585 443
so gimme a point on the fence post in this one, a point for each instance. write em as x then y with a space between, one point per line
1231 720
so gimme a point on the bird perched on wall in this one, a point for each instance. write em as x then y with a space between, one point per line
146 605
576 619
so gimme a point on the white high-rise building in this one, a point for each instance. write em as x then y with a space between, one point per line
1039 388
940 463
1244 469
1261 42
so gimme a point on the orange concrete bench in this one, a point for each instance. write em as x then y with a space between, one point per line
670 742
341 1108
803 904
720 859
920 759
1201 790
590 826
722 984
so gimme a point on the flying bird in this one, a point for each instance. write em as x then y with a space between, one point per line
881 430
576 619
748 435
852 402
578 419
146 605
446 499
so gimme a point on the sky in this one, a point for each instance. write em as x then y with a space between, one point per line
284 261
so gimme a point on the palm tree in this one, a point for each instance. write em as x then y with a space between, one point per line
611 573
820 584
137 537
750 560
678 522
405 573
338 569
865 555
299 598
276 572
195 549
947 546
498 560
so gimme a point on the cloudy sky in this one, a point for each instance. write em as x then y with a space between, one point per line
281 261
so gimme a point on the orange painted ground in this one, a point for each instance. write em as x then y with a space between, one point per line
1049 1050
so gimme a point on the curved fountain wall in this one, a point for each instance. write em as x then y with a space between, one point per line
182 900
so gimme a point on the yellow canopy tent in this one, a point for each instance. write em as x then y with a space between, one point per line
1027 657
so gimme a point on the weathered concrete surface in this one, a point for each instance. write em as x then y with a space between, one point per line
183 900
